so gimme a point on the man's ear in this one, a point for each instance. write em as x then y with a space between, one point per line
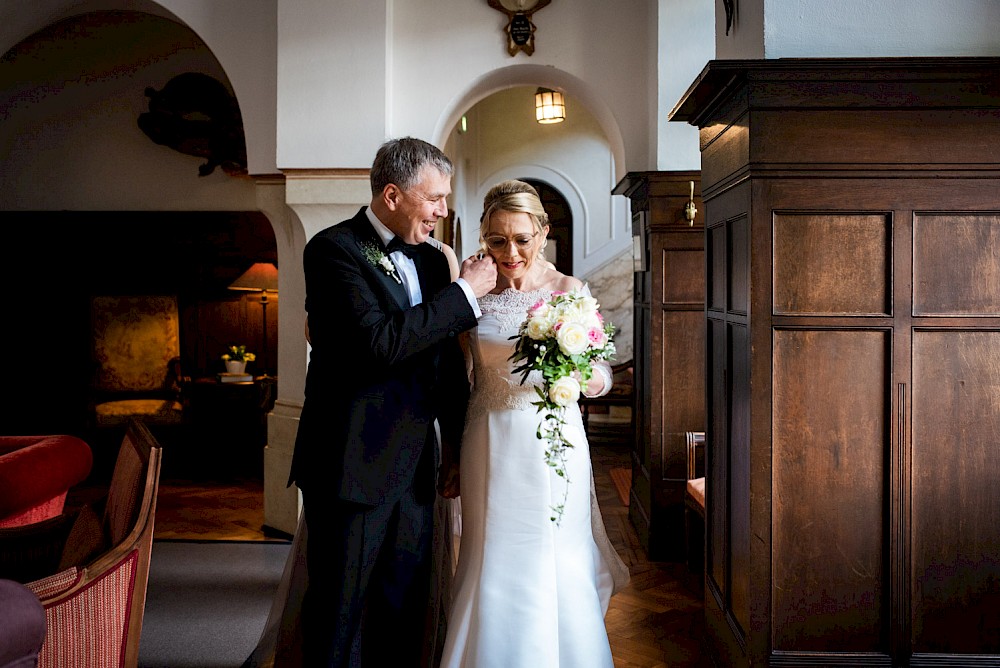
391 195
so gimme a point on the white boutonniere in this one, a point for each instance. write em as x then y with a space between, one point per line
379 259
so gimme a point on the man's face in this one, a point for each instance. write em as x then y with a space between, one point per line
413 213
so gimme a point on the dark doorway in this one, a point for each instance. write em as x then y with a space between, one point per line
560 225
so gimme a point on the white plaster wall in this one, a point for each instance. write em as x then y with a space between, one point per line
863 28
746 37
69 137
436 52
685 41
332 82
241 34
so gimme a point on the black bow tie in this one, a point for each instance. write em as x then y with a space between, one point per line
397 244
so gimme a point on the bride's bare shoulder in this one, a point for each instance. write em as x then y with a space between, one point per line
556 280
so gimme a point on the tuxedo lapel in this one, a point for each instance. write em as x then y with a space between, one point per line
369 244
428 262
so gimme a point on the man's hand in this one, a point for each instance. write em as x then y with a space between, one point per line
480 272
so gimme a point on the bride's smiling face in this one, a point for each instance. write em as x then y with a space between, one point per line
514 241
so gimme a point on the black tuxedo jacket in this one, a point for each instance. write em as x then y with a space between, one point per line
380 371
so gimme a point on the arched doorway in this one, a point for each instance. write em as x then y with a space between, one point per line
560 226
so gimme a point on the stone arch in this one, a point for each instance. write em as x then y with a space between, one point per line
559 181
536 75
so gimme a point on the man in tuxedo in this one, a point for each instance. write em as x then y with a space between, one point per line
383 316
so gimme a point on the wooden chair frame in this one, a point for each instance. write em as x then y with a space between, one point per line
694 506
110 592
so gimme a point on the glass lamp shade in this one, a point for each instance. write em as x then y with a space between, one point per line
550 106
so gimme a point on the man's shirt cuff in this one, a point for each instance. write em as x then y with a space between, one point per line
470 295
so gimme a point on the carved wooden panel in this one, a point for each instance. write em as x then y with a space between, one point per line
738 278
739 475
956 500
715 291
829 446
831 263
684 277
684 390
716 457
955 265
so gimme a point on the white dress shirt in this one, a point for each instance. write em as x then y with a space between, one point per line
408 271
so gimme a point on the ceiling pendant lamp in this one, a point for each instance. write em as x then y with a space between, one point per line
550 106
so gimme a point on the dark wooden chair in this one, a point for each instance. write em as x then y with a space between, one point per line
694 501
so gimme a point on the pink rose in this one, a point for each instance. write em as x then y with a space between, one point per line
557 293
597 337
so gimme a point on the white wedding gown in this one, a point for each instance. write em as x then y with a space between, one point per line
527 593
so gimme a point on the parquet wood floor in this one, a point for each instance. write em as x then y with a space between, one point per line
655 622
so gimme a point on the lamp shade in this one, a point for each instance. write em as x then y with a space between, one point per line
550 106
261 277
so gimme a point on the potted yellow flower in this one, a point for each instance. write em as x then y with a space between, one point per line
236 359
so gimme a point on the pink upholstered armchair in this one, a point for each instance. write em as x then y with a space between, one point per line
36 472
94 611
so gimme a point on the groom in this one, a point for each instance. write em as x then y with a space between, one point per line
383 318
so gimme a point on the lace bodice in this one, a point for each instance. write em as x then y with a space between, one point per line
495 386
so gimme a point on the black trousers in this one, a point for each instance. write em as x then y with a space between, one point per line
369 581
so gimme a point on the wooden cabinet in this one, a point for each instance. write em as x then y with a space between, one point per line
853 338
228 428
669 353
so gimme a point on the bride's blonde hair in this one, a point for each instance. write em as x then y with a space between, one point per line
517 197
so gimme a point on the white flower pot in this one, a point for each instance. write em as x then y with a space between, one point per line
233 366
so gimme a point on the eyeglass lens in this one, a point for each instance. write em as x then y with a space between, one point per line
499 243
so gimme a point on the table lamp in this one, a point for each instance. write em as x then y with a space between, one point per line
261 277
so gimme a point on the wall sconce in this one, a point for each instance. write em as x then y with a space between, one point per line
550 106
690 210
262 277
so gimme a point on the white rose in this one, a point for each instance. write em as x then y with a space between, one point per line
582 311
573 338
564 391
538 328
387 264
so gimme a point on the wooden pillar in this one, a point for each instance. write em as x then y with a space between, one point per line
853 332
668 351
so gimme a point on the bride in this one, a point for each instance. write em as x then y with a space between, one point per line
527 591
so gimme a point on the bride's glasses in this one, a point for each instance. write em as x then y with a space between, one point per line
522 241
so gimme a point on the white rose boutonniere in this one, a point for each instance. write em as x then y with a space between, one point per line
379 259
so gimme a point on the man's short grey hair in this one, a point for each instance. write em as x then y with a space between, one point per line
399 161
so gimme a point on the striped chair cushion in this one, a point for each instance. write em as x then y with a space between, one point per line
54 585
89 629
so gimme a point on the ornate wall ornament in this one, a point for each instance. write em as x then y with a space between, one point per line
520 30
196 115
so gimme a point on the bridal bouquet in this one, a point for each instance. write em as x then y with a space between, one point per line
562 338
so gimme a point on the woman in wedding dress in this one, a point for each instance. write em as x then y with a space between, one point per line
528 592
